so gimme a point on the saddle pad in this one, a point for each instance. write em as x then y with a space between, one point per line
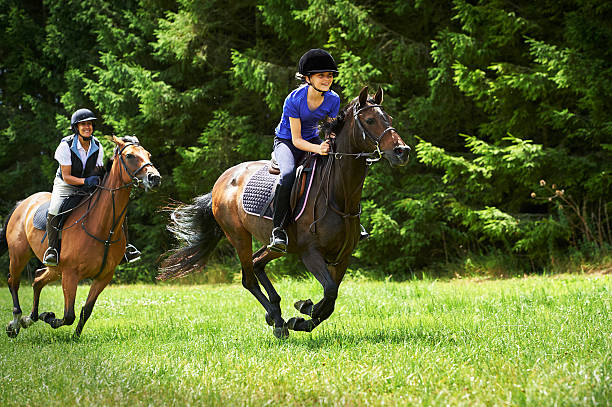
40 217
258 194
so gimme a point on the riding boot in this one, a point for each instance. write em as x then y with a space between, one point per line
279 239
51 256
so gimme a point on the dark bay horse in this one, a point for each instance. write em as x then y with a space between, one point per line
93 240
324 237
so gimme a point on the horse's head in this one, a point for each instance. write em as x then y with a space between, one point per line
135 162
373 131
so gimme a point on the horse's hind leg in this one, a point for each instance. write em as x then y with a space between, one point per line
69 286
94 292
262 257
242 242
16 266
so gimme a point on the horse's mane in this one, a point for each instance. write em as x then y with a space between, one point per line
335 125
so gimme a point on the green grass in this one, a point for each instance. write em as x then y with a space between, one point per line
528 341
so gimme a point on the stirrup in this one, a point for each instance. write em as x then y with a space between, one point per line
363 235
278 240
131 253
50 258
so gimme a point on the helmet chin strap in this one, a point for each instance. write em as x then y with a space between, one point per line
83 137
315 88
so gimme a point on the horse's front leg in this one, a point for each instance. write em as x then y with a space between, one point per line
94 291
43 277
69 286
315 263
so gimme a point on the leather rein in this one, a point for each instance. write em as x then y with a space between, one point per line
135 182
370 158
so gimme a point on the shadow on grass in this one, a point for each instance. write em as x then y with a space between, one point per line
397 336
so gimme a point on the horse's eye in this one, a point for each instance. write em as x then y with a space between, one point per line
370 121
129 156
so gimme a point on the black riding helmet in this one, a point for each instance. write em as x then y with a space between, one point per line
81 115
315 61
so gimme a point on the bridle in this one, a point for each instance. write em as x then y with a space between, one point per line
135 181
370 158
375 155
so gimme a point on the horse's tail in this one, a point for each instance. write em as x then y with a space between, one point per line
196 228
3 241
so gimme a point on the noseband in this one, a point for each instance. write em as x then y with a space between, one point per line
375 155
135 180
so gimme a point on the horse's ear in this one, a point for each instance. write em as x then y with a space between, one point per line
118 141
378 98
363 96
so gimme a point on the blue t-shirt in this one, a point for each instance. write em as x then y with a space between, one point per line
296 106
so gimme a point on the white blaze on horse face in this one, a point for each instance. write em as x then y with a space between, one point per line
382 119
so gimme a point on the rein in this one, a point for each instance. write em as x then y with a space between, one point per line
116 220
371 158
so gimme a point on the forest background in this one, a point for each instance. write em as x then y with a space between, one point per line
505 103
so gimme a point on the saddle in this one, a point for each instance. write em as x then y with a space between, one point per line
258 194
40 216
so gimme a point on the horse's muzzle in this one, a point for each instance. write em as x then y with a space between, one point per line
398 156
153 180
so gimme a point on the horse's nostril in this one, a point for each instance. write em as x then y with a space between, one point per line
154 179
402 153
401 150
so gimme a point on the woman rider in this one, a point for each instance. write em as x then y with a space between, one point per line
297 132
80 165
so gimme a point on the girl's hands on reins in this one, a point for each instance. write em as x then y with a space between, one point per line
324 148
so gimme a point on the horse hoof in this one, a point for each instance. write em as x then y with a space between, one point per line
304 306
269 320
281 332
47 317
26 321
293 322
12 331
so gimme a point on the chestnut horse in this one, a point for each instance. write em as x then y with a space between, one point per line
324 236
93 241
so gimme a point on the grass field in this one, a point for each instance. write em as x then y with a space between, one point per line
528 341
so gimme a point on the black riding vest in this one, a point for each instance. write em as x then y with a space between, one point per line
77 169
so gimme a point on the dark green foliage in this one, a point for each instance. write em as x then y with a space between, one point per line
493 96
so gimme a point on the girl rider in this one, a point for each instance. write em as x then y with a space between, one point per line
297 132
80 165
